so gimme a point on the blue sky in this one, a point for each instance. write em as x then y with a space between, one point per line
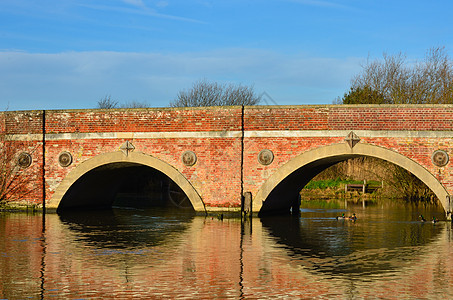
70 53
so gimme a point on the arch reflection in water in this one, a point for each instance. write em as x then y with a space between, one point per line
382 239
126 228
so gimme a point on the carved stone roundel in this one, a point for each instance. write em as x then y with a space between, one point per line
440 158
24 160
189 158
65 159
265 157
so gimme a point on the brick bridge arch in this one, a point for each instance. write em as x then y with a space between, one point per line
316 160
132 157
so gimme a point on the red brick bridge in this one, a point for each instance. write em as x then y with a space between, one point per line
213 156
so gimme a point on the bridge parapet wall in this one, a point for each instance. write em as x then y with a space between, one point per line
350 117
22 122
144 120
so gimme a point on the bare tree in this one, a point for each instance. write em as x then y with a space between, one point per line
204 93
135 104
16 179
396 81
107 103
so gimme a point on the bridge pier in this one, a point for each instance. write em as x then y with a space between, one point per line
246 206
295 205
449 207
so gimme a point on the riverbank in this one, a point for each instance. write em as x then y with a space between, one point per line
339 189
15 207
335 189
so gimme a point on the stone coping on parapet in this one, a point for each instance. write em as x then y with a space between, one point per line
301 106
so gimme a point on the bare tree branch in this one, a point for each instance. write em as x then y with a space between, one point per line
107 103
15 182
204 93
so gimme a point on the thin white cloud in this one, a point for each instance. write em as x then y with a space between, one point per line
138 3
162 4
319 3
136 11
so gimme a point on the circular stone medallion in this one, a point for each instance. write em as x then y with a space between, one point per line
65 159
440 158
189 158
24 160
265 157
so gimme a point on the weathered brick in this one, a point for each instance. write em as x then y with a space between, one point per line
217 173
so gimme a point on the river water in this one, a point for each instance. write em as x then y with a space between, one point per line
387 253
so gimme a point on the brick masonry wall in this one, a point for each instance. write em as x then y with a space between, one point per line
29 184
217 174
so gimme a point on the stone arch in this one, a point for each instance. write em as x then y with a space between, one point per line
132 157
322 157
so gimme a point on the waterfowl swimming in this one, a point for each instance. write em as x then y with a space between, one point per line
434 220
422 218
342 217
353 217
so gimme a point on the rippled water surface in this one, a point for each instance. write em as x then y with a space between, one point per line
124 253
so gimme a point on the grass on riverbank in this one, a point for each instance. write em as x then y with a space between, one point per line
335 188
336 183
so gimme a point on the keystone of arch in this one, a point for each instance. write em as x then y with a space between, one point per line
343 150
133 157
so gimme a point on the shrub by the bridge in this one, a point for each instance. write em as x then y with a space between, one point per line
16 182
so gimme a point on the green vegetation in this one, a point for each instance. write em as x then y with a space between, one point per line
336 183
330 191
